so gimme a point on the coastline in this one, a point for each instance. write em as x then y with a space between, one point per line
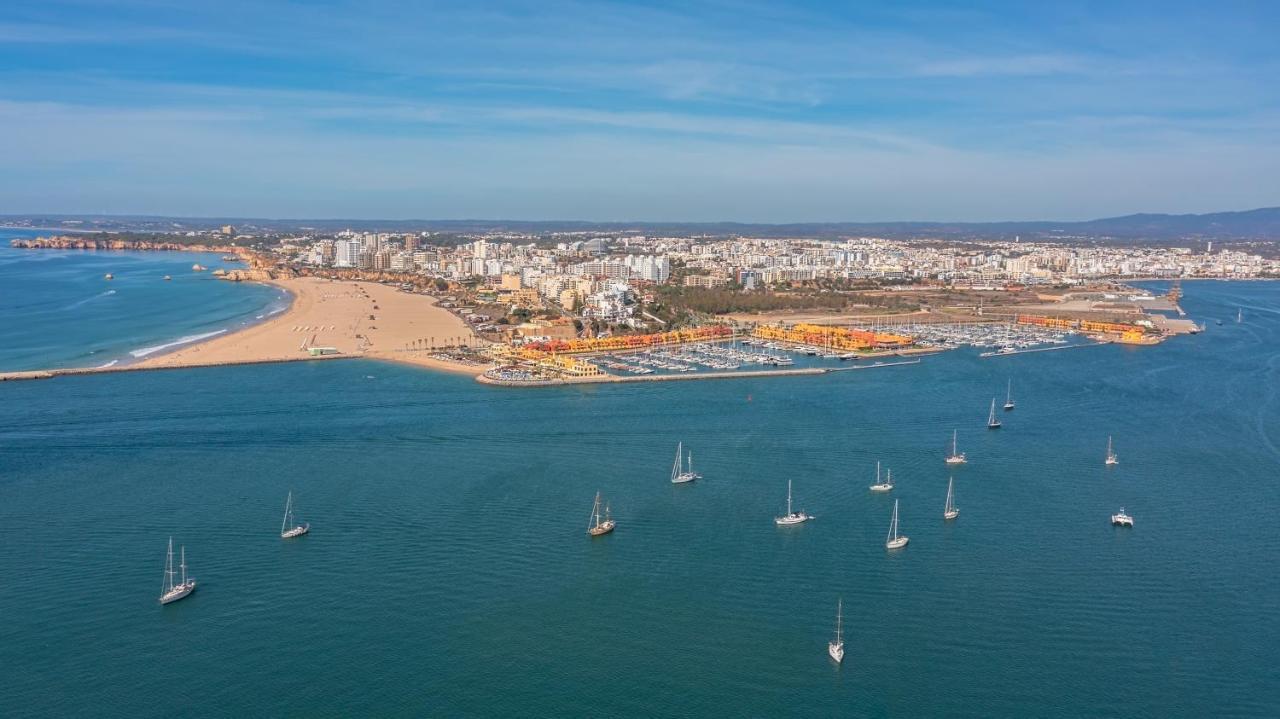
353 319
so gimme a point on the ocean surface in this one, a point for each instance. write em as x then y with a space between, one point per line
448 572
58 310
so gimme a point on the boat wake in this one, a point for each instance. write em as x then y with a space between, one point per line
87 300
112 363
180 341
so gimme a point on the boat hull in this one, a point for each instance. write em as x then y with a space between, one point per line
836 651
296 531
898 543
956 460
791 520
180 591
604 528
880 487
951 514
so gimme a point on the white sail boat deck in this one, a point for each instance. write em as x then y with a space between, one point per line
949 511
835 648
289 530
600 524
884 486
955 457
680 474
1112 459
1122 519
992 422
894 540
169 590
792 516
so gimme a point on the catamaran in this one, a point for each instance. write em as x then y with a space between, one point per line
992 422
791 517
169 591
949 511
1008 398
600 525
1112 459
289 530
836 647
884 486
679 474
955 457
1122 519
894 541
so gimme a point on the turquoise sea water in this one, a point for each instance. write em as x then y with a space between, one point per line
58 310
448 572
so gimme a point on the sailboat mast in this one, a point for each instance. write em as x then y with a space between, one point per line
168 567
788 498
1008 398
184 564
288 505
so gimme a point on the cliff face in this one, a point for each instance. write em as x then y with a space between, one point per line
254 275
70 242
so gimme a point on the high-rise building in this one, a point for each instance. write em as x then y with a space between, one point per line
346 253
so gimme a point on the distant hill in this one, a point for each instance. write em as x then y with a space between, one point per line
1260 224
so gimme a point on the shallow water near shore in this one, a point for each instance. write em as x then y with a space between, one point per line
448 571
58 310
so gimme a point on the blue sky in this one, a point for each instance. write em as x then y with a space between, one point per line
748 111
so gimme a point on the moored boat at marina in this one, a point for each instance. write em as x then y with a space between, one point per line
289 530
882 486
956 457
835 647
792 516
680 474
171 591
600 524
894 540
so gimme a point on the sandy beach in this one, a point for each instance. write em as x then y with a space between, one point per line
359 319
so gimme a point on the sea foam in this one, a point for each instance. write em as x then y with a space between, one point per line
180 341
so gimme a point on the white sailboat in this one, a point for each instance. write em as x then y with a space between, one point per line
992 422
835 648
600 525
1112 459
169 590
1008 398
679 474
894 540
791 517
289 530
955 457
884 486
949 511
1122 519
